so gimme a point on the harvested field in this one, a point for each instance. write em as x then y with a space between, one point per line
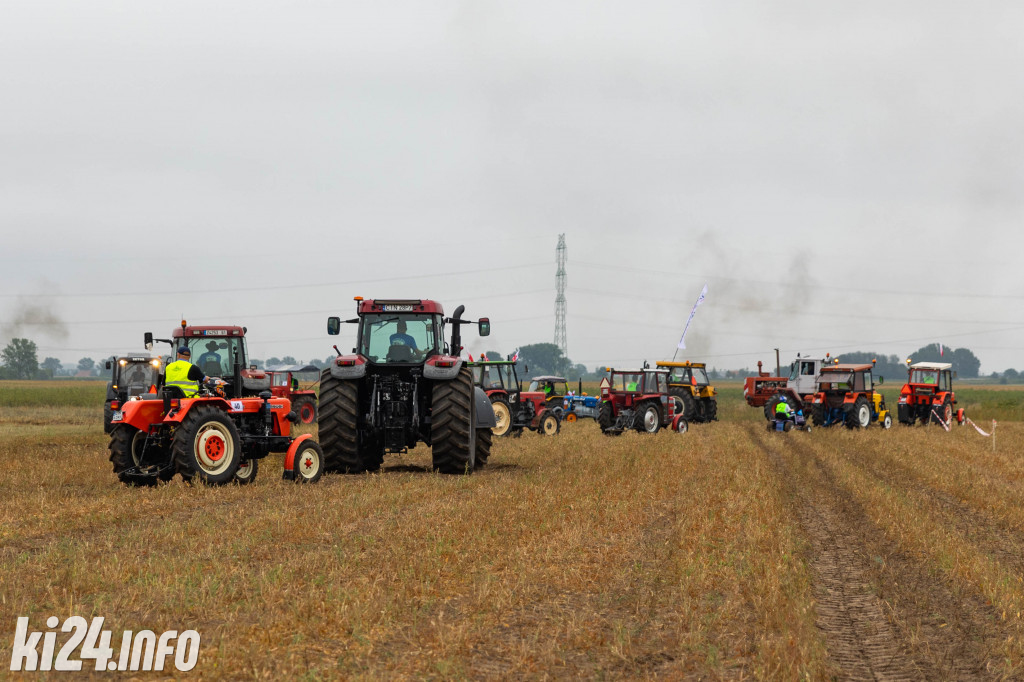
728 552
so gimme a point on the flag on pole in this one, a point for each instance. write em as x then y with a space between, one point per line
940 350
700 299
515 356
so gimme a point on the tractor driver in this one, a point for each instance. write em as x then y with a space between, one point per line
211 356
183 374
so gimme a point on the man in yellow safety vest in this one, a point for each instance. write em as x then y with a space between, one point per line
183 374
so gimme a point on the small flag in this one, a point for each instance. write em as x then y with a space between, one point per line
940 350
700 299
515 355
471 357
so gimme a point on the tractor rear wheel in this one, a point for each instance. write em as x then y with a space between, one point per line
483 447
309 462
338 426
686 405
549 423
108 416
452 424
207 445
945 411
502 416
126 452
305 407
860 416
650 418
247 471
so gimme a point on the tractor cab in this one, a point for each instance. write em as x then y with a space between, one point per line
691 391
130 375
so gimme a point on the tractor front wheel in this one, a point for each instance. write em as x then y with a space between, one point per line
502 416
247 471
309 462
207 445
887 421
305 407
452 425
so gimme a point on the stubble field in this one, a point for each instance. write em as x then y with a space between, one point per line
728 552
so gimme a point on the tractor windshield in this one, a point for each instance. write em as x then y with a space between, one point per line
701 375
216 356
835 381
398 338
137 377
924 376
631 382
494 377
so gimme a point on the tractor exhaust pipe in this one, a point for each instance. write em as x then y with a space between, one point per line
457 330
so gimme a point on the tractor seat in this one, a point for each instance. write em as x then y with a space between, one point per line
400 353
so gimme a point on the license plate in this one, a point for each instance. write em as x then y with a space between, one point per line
117 416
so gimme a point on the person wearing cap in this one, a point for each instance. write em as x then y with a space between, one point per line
183 374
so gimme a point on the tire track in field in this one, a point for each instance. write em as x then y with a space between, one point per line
983 531
861 642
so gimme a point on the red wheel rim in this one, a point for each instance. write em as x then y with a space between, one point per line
306 413
214 448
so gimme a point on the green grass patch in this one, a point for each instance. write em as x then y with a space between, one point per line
52 393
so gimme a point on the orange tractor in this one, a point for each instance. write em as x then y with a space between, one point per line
928 395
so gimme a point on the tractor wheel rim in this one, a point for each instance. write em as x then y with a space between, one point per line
245 470
550 426
571 417
307 463
683 426
501 417
306 413
214 449
678 402
138 440
651 419
864 416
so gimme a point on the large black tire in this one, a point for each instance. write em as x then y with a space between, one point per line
309 462
338 428
788 426
650 418
125 453
207 445
710 409
945 411
818 415
549 424
483 447
108 415
860 416
683 397
605 418
502 416
305 407
247 471
452 436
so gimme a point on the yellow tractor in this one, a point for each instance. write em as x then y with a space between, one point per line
691 391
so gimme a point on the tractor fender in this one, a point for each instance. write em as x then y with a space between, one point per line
186 404
289 458
348 367
484 412
431 370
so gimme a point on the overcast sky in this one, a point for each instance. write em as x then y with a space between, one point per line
843 176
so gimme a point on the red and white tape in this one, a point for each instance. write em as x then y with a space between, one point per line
939 417
978 428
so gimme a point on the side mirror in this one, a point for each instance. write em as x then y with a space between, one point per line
333 326
485 326
880 380
148 340
107 364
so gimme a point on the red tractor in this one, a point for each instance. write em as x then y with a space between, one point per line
798 388
514 408
928 395
284 384
211 437
403 384
637 400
